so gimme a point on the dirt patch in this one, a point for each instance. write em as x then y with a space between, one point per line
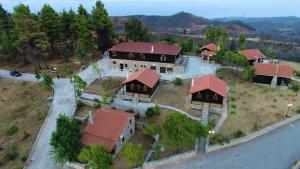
252 106
108 85
175 96
23 108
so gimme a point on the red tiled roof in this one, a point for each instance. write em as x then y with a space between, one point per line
209 82
146 47
106 128
208 53
266 69
253 54
211 47
145 76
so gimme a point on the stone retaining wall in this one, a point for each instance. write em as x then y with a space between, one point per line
170 160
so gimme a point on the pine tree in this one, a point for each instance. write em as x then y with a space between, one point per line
103 26
135 30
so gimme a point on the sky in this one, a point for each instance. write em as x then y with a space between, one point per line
205 8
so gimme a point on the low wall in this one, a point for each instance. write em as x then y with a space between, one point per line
252 136
170 160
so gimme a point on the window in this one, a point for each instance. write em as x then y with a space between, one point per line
123 138
114 62
126 65
134 65
145 89
130 121
130 131
170 70
163 58
153 67
162 69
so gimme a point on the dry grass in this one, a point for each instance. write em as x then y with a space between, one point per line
108 85
252 106
23 105
295 65
175 96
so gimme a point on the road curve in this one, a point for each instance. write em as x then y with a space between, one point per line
276 150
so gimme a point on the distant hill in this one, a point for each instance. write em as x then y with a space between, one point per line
182 23
275 28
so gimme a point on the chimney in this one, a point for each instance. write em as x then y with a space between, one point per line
152 49
91 120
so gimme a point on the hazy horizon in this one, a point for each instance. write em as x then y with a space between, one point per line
204 8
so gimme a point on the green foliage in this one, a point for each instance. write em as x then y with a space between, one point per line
36 72
298 111
97 69
177 81
47 81
220 56
135 30
105 97
297 73
81 52
238 134
153 111
295 87
97 105
236 59
249 73
151 130
65 70
11 153
256 126
104 27
218 138
133 153
79 83
65 140
187 45
212 123
242 42
180 131
96 157
12 130
217 35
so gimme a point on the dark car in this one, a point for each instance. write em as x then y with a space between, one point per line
15 73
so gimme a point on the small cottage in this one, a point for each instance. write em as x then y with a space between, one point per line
208 51
207 89
109 127
253 55
141 85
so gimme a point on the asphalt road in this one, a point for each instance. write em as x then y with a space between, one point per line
276 150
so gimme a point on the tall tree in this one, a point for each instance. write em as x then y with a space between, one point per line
68 28
5 23
217 35
6 47
65 140
49 23
180 131
135 30
242 42
96 156
103 26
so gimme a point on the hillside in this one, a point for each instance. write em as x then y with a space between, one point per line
182 23
275 28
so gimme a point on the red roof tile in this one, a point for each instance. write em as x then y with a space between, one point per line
209 82
145 76
211 47
266 69
253 54
146 47
208 53
106 128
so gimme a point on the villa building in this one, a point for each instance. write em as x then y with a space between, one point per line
109 127
253 55
207 89
274 74
132 56
209 51
141 85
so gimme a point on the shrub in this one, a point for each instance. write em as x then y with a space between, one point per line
295 87
232 112
151 129
298 111
24 157
79 103
153 111
212 123
238 134
12 130
178 81
219 139
11 153
297 73
97 105
233 106
256 126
